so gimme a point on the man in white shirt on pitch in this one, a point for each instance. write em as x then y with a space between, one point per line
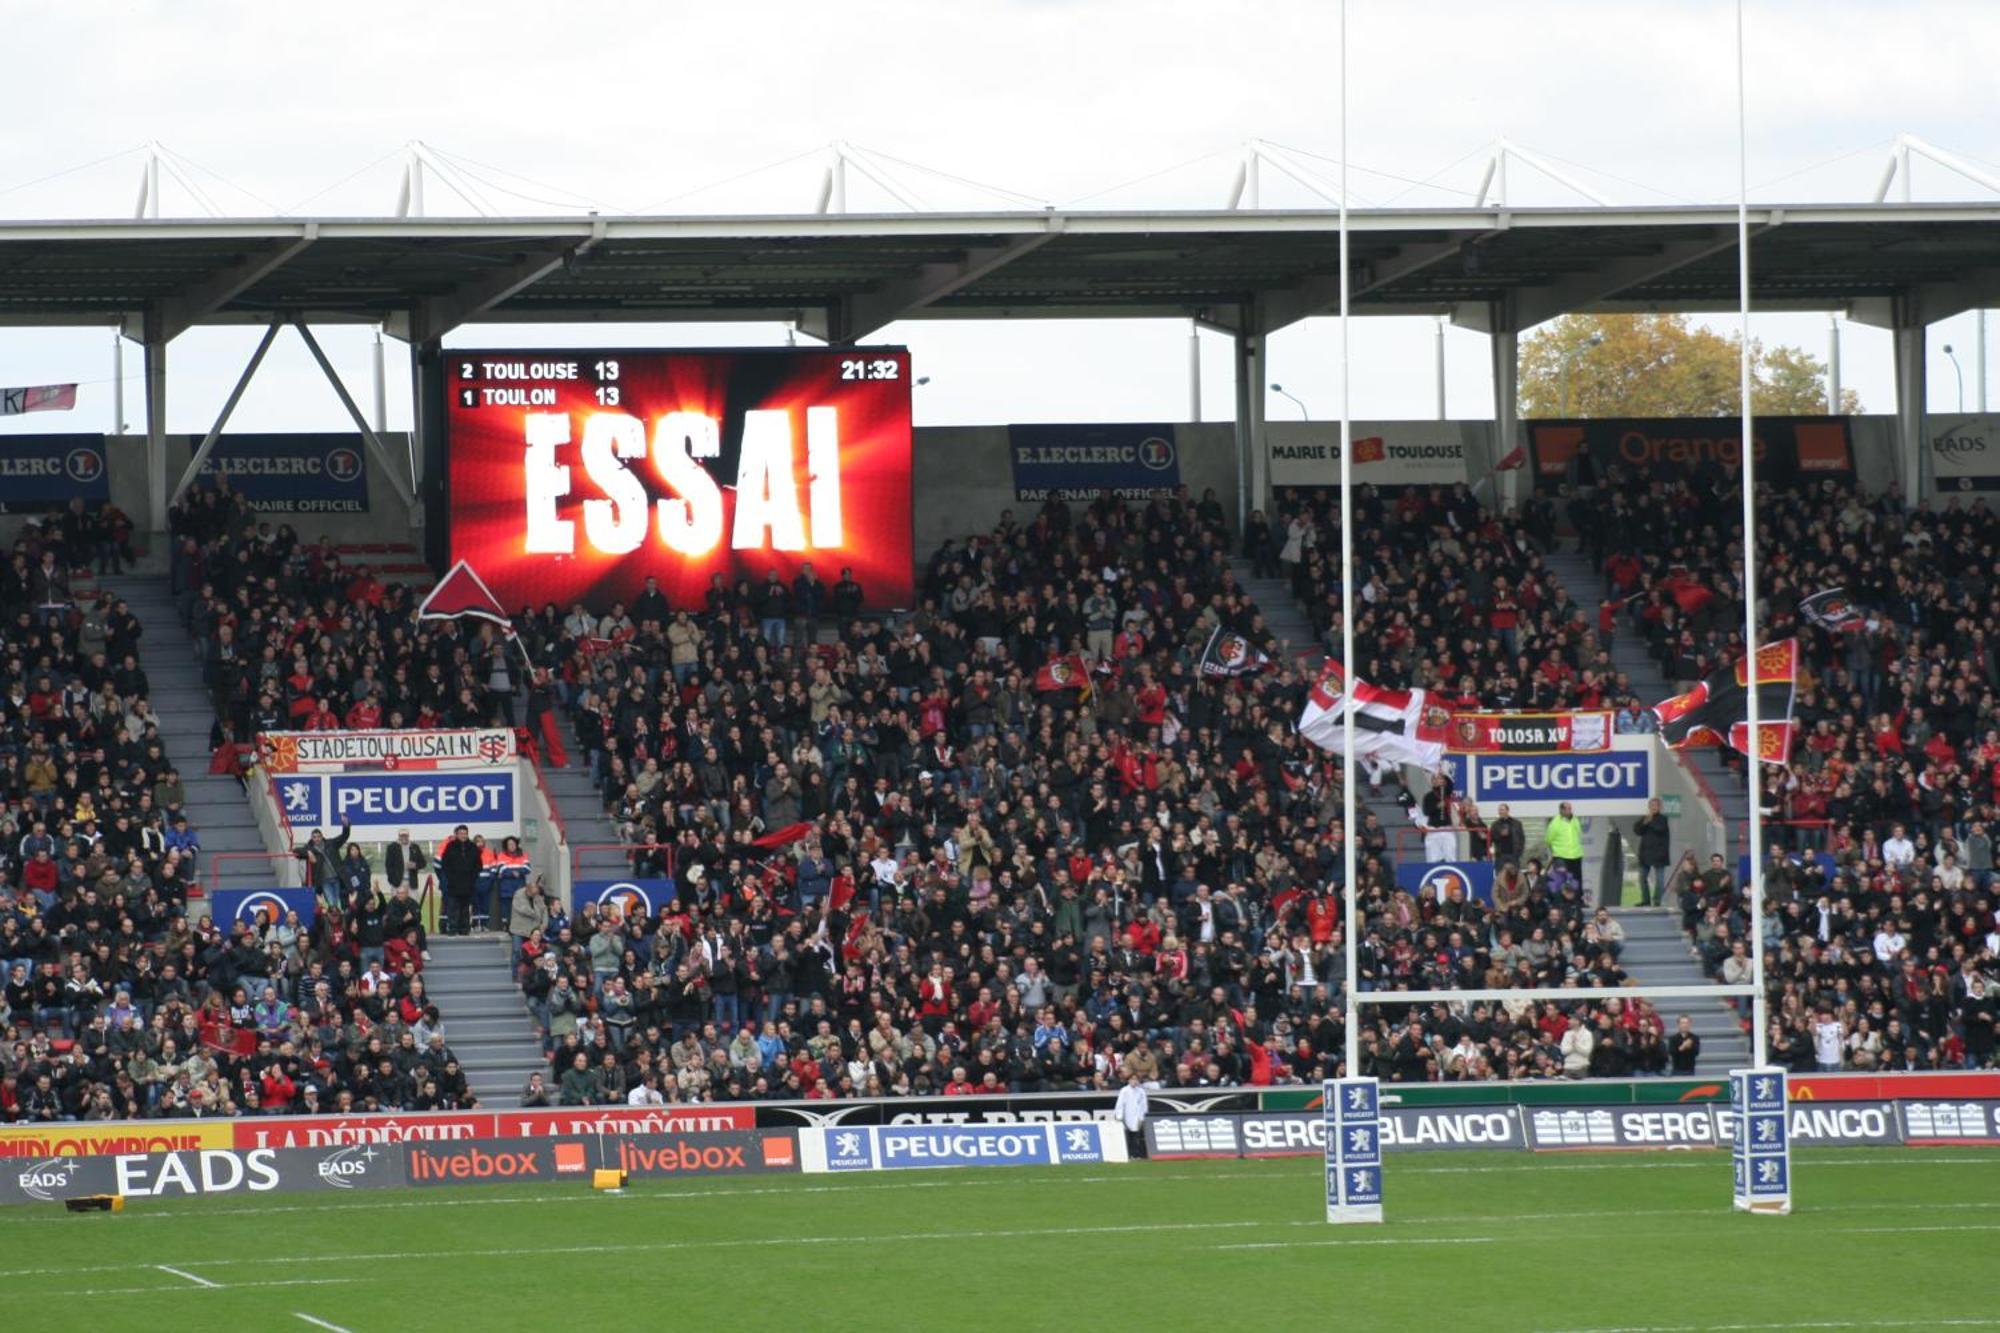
1130 1108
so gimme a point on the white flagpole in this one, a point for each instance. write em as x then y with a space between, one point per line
1758 1042
1350 822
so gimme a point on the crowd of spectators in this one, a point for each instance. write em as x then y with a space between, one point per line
1882 936
911 857
118 1002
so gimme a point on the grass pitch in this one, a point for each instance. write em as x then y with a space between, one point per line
1880 1239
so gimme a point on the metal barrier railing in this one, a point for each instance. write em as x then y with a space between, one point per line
215 862
627 855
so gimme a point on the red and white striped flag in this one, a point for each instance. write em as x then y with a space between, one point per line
1402 725
37 398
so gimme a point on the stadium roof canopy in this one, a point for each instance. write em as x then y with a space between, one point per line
845 276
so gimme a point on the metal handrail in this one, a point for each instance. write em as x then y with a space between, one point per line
577 850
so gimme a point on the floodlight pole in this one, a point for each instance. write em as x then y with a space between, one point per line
1759 1042
381 386
1438 359
117 380
1979 355
1194 371
1833 365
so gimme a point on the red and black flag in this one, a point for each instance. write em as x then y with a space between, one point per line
1716 712
1068 672
1832 609
1230 654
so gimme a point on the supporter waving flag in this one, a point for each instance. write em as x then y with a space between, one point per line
1831 608
1067 672
1716 711
461 592
1230 654
1398 725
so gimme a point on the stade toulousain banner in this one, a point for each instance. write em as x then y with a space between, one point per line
1965 454
1788 449
1126 461
575 474
292 474
43 473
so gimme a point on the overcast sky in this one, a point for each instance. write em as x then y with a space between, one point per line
1111 103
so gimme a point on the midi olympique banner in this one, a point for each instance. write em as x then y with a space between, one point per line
1788 449
576 474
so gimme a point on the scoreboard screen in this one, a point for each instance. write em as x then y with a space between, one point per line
576 474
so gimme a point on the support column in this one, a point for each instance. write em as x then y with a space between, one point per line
1260 455
156 425
1506 351
427 445
1245 369
1912 383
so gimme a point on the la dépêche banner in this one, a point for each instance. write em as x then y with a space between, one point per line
1386 453
308 751
43 473
576 474
1965 454
1788 449
262 908
378 805
292 474
1089 462
1529 733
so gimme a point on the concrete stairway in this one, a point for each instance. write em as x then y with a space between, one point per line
1657 954
1281 613
581 805
486 1023
1628 654
217 807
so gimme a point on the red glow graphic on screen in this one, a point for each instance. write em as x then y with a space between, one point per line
576 474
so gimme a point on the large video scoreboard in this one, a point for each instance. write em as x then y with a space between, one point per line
575 474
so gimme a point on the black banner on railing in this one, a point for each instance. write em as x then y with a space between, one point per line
1037 1109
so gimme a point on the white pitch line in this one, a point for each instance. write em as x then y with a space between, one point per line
1343 1244
321 1323
1799 1323
196 1291
179 1272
